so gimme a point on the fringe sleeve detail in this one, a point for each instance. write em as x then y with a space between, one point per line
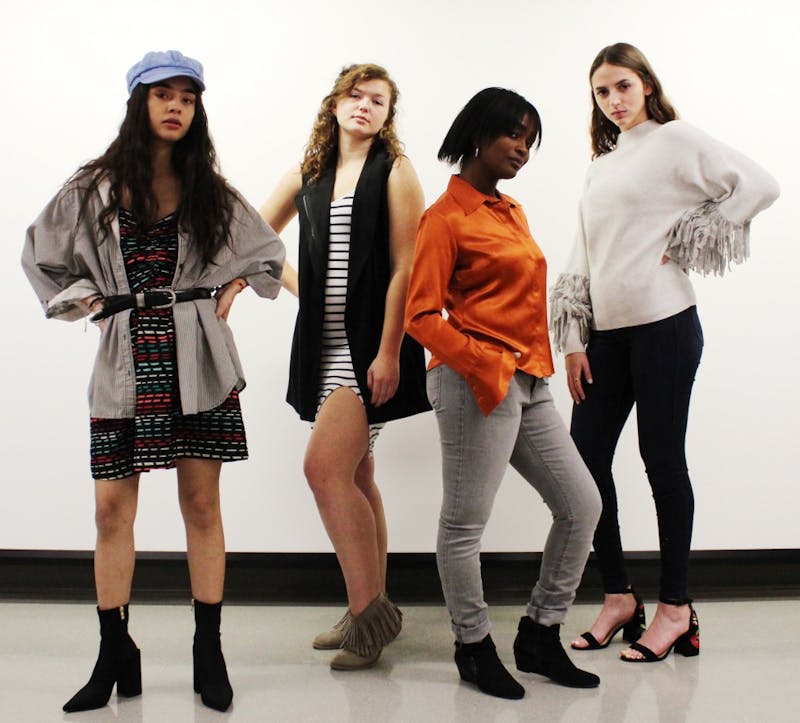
569 301
703 240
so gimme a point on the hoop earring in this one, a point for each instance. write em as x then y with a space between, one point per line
476 151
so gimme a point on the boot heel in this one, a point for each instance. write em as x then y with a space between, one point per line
467 670
197 678
129 682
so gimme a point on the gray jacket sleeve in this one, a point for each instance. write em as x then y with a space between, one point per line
254 252
260 251
60 274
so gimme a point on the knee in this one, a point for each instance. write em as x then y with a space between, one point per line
600 466
314 471
468 521
581 508
592 506
663 454
201 509
458 533
665 466
112 516
458 539
589 499
668 477
671 487
598 458
365 478
586 513
320 476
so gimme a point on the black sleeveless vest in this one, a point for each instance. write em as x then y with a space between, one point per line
367 283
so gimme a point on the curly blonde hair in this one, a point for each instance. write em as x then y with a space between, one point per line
324 140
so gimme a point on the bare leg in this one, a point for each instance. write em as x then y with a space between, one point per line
337 447
365 481
114 556
669 623
617 609
118 662
198 492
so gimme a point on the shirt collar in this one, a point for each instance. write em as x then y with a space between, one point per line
470 198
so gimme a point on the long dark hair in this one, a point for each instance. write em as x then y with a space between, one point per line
206 205
604 133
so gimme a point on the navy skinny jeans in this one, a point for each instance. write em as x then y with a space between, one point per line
652 365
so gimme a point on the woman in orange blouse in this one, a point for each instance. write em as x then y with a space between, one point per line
475 258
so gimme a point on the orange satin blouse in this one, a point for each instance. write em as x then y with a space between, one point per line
476 259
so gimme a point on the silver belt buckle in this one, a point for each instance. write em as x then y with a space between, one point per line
165 290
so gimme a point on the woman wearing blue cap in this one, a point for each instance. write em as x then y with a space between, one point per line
140 238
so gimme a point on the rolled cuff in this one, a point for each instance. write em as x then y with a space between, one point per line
264 284
68 304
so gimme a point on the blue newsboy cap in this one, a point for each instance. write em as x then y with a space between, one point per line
163 64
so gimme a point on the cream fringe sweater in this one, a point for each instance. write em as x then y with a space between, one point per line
665 189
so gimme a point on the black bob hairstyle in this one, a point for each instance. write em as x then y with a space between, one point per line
490 113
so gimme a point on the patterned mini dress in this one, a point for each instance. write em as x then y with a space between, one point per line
336 368
159 433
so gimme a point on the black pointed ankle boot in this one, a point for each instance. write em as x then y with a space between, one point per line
538 649
118 662
210 673
478 663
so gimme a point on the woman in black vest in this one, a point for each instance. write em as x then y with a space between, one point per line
352 368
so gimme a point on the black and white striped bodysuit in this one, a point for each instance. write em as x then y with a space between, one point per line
336 368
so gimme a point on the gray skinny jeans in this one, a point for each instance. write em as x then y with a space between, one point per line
527 431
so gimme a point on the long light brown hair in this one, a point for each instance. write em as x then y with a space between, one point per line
324 141
604 133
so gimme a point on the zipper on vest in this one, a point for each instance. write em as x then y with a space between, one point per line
310 219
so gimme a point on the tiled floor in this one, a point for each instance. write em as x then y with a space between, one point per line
747 670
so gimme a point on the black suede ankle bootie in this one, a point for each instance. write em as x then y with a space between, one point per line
118 662
538 649
478 663
210 673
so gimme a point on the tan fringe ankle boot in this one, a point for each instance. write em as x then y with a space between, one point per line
332 639
377 625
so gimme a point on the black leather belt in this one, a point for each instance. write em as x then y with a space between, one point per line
152 299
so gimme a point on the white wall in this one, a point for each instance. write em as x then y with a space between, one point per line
730 71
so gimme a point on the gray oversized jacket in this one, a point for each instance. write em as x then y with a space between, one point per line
65 262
